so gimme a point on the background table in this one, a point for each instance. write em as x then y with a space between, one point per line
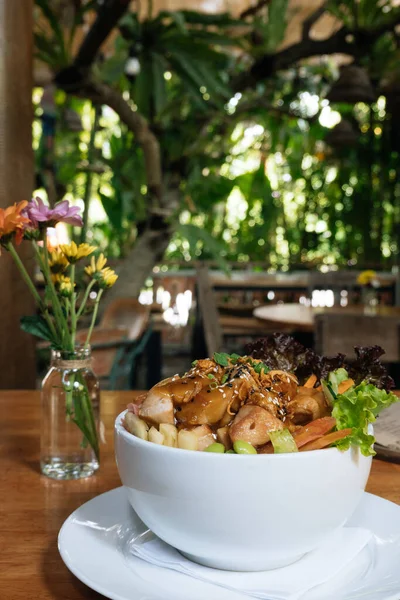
33 508
302 317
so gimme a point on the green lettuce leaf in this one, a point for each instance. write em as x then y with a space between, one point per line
357 408
335 378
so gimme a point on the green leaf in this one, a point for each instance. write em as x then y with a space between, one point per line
221 20
112 210
113 68
195 234
335 378
261 368
159 66
234 357
178 19
37 326
356 409
221 358
55 26
143 88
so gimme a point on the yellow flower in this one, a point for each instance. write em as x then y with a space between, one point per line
96 265
97 270
366 277
107 278
63 284
57 261
74 253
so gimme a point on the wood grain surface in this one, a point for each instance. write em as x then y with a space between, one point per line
33 508
302 317
16 183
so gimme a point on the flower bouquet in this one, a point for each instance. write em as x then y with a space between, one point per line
70 391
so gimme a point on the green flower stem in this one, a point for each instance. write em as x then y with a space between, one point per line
32 288
24 274
90 422
62 322
43 269
85 299
73 306
95 310
79 408
67 305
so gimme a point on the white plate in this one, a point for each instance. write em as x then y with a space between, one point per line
92 543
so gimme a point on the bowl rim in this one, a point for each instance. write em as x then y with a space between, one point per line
134 440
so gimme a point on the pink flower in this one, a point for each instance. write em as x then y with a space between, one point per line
41 215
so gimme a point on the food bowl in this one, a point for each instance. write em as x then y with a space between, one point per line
238 512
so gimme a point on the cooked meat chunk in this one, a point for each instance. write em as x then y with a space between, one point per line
207 408
252 424
224 438
307 405
204 435
183 389
267 400
157 407
280 384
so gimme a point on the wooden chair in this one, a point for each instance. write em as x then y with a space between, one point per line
118 341
127 312
340 333
105 343
214 327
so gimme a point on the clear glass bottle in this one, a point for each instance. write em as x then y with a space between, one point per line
370 300
70 417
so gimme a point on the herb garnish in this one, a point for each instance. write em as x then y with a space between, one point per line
223 359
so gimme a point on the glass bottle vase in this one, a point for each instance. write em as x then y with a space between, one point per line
370 300
70 417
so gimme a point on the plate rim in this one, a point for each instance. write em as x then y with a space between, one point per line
92 584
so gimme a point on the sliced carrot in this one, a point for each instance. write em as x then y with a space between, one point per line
326 440
311 381
345 385
313 430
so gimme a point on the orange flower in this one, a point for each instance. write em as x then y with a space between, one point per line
12 222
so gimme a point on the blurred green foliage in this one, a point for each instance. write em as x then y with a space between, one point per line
259 181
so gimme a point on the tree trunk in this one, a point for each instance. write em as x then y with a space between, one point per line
148 250
17 359
138 265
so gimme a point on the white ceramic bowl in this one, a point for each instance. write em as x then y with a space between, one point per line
236 512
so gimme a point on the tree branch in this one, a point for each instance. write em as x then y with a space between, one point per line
269 64
344 41
253 10
108 16
311 20
104 94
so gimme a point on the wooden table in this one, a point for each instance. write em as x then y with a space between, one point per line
302 317
33 508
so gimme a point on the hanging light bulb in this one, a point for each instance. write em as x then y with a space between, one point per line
132 65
